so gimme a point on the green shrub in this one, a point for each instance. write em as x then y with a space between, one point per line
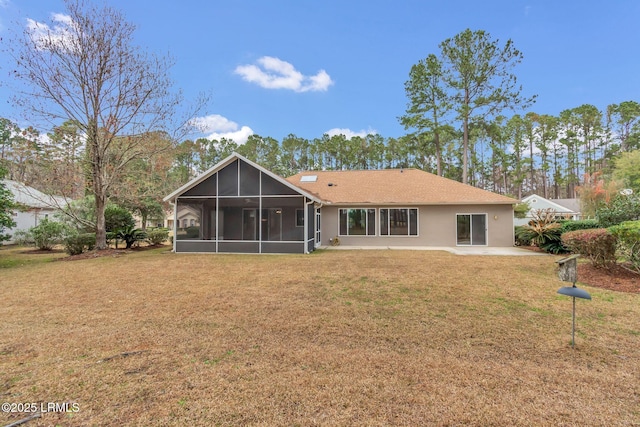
585 224
618 210
117 218
47 234
112 237
192 232
157 236
131 235
523 236
7 204
78 243
22 238
553 246
598 245
628 237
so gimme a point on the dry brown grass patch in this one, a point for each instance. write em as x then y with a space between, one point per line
331 338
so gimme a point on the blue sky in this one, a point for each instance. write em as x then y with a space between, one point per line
342 64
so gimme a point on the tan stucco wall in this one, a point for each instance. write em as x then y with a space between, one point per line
436 226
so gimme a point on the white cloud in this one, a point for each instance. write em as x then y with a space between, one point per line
44 34
348 133
218 127
240 136
214 122
274 73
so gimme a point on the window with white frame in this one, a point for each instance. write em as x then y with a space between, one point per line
399 222
357 222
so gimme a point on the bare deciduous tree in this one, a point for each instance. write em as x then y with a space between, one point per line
86 68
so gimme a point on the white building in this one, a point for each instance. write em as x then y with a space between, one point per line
564 208
34 206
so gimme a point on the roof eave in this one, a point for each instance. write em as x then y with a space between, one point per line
396 203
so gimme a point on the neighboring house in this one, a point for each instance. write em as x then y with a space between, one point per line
240 206
34 206
188 216
151 222
573 205
563 208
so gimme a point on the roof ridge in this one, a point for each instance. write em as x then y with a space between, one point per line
359 170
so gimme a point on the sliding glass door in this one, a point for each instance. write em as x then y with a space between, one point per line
471 229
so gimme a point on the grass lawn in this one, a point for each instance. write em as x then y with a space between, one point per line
331 338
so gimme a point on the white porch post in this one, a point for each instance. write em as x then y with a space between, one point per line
306 225
175 224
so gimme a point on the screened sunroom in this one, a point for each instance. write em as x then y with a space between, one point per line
238 206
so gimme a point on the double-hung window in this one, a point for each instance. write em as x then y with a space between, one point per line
357 222
399 222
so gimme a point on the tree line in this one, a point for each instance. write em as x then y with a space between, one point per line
524 154
533 153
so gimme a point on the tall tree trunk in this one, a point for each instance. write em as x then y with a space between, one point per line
504 183
465 150
436 141
465 138
144 215
99 190
101 232
532 186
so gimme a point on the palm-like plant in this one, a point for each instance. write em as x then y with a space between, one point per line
544 231
131 235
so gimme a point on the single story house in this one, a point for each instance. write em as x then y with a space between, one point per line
34 205
563 208
239 206
188 216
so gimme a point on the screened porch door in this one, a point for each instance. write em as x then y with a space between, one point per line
272 224
471 229
270 219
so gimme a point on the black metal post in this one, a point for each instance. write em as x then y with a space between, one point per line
573 327
573 322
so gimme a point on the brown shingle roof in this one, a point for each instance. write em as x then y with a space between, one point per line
393 186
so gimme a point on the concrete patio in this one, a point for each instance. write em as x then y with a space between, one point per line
458 250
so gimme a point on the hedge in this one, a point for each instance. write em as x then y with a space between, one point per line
598 245
585 224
